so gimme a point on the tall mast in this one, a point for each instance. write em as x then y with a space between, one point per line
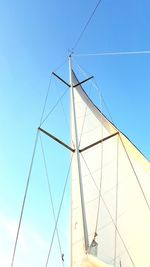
86 241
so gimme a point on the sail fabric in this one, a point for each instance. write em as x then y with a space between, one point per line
90 261
116 191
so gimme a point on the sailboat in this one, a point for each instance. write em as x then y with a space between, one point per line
110 188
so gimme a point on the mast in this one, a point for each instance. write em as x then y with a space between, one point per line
86 241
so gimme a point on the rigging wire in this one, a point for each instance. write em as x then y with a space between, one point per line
86 25
60 66
113 53
52 109
28 178
109 213
97 88
58 214
51 198
46 98
47 94
100 95
66 119
138 181
24 199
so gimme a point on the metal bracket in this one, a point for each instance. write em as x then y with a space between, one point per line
61 79
98 142
56 139
83 81
68 83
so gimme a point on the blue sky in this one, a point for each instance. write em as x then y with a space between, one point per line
35 37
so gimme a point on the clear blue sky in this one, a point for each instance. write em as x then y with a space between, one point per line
34 39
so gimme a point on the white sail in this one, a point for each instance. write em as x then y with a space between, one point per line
117 171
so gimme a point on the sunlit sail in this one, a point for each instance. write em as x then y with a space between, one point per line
112 225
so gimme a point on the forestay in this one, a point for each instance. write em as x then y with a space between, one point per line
116 188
